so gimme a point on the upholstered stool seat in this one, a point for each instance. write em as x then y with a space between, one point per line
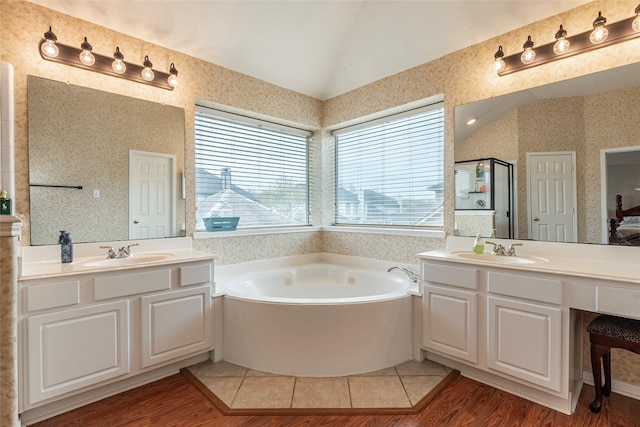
607 332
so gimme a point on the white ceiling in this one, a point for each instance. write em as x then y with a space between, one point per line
317 48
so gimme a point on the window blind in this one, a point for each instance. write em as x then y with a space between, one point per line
250 169
390 172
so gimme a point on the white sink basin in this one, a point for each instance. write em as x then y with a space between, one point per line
499 259
135 259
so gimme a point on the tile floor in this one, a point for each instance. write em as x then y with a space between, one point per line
401 386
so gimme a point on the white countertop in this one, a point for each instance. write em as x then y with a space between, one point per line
38 262
616 263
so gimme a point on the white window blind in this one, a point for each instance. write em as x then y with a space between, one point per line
250 169
390 172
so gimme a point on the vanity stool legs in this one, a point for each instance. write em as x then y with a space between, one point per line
607 332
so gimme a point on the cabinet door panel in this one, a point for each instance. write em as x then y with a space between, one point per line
525 341
176 324
450 322
76 348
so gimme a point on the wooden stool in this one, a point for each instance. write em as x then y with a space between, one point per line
607 332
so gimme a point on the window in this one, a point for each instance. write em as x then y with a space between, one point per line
389 172
250 169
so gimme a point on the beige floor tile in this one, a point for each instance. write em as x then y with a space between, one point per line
225 388
426 367
265 392
418 386
221 369
378 392
330 392
256 373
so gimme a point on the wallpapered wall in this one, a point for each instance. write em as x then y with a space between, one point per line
464 76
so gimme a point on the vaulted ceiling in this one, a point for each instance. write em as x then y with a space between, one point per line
317 48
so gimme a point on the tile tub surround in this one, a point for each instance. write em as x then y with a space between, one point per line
244 390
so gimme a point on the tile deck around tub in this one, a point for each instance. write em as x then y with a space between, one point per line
401 386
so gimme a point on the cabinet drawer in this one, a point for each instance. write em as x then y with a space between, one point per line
453 276
130 284
41 297
195 274
525 287
623 302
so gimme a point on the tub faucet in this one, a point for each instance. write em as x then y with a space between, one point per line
415 278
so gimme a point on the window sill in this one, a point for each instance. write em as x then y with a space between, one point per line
253 232
413 232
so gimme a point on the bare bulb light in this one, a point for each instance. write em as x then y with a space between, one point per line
562 44
86 57
499 63
529 55
118 64
147 73
173 76
49 47
600 32
636 22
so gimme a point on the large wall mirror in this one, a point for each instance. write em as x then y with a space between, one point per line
102 166
574 145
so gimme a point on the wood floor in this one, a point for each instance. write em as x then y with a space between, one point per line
175 402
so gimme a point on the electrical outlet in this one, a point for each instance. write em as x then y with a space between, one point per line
96 194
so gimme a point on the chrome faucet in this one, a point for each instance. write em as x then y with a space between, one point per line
502 251
123 252
415 278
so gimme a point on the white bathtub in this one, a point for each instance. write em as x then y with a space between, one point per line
317 319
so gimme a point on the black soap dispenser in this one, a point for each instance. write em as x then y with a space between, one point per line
66 247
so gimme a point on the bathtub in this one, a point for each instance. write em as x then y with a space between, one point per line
317 319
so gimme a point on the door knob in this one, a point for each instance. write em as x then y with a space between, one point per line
535 218
135 221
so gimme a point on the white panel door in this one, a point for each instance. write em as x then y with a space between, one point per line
176 324
152 195
71 349
450 322
525 341
552 196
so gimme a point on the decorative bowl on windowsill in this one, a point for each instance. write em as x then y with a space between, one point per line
221 223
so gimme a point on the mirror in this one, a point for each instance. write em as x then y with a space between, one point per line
86 148
584 120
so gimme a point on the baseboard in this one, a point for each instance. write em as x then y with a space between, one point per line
620 387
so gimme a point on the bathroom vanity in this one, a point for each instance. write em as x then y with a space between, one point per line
98 326
515 322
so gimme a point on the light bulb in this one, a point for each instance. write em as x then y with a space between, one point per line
173 76
147 73
562 44
600 32
636 22
48 47
499 63
529 54
86 57
118 64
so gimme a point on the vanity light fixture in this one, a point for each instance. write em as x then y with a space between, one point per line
114 65
561 45
565 46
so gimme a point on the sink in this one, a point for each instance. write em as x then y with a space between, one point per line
499 259
135 259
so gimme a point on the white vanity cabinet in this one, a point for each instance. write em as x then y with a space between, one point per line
450 316
81 331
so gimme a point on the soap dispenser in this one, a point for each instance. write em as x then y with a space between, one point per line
66 247
5 203
478 244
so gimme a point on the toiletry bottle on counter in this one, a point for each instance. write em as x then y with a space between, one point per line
5 203
478 244
66 247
